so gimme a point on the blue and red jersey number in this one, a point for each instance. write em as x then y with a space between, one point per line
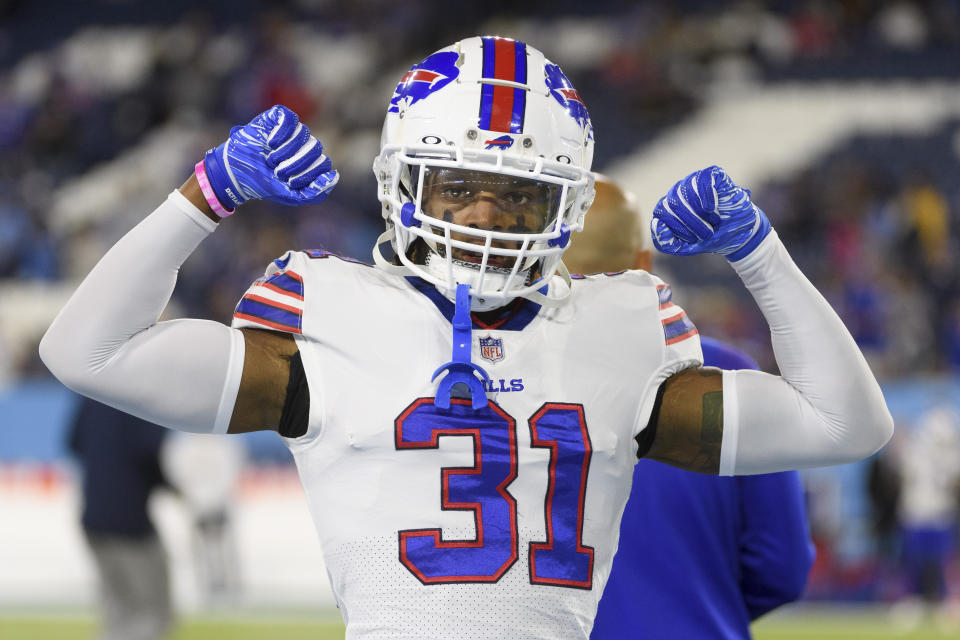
560 560
481 488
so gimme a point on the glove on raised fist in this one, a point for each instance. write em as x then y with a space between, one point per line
707 212
273 157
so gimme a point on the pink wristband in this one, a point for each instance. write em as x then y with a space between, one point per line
208 193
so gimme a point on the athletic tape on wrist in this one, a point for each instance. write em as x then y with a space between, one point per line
208 193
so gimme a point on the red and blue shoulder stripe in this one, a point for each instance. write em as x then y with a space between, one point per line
275 302
677 327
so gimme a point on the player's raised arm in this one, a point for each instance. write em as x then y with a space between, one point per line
106 343
825 408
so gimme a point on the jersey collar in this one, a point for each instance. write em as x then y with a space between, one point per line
513 317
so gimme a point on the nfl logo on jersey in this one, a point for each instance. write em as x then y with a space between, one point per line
491 349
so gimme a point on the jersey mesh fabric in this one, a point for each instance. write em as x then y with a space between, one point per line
395 605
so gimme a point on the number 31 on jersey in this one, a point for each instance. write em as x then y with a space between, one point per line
560 560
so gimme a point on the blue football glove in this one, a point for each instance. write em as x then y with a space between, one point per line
273 157
707 213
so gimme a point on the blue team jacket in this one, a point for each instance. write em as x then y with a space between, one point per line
701 556
119 456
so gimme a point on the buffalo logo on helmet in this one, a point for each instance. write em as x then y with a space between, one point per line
491 349
503 142
425 78
563 92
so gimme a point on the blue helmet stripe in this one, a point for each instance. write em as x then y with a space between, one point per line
486 90
519 95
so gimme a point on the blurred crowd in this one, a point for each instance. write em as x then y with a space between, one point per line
879 240
101 116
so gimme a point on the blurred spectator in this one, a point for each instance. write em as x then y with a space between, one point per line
119 456
928 510
205 470
883 492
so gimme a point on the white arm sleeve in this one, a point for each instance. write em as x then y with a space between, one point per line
826 408
106 343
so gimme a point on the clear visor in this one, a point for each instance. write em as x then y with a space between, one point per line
472 203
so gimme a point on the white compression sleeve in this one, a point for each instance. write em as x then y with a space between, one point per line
826 408
106 343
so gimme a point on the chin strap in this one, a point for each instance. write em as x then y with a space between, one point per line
383 263
461 370
560 294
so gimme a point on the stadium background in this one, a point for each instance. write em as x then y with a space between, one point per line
843 118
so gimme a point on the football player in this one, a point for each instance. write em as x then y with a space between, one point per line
729 548
464 417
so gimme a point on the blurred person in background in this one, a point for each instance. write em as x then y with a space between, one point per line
341 358
929 471
119 458
883 494
728 549
205 471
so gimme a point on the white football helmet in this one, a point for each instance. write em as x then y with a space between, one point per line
485 156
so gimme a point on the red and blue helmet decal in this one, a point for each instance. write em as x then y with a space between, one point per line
563 91
425 78
503 142
502 108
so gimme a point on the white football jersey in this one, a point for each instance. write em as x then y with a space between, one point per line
500 522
